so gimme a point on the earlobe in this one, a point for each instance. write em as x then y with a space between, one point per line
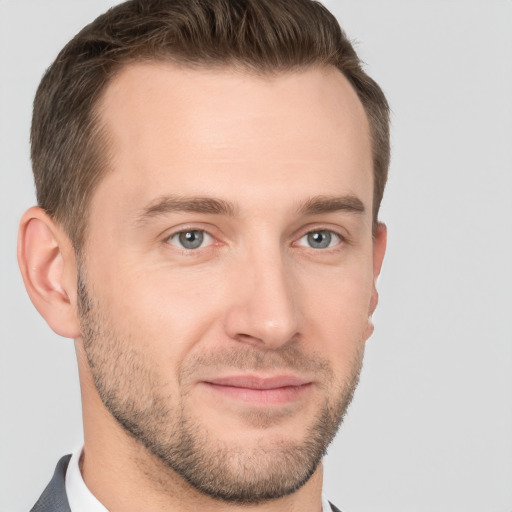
47 263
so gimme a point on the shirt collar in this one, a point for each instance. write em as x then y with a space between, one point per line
80 498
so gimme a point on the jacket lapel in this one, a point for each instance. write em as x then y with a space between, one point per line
54 497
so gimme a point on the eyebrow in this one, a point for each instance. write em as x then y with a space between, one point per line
208 205
327 204
169 204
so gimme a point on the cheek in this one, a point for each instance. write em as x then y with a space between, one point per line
336 311
160 312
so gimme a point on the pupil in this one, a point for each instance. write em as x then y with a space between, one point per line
191 239
319 239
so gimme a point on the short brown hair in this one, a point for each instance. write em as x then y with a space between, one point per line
69 150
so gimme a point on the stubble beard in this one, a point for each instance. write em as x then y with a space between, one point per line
129 388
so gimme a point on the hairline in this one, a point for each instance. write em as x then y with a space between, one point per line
100 135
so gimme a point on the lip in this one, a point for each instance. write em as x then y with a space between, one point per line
259 390
259 382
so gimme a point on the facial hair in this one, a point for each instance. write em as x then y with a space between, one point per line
131 390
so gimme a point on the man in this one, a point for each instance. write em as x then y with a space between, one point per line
209 175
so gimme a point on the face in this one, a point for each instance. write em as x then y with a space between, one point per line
228 273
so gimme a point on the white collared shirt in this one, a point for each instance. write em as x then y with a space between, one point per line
82 500
79 497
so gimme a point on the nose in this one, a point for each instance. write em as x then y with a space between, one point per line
264 311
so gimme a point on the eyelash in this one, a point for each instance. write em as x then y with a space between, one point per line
203 234
339 239
330 235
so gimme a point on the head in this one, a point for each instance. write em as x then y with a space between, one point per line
209 175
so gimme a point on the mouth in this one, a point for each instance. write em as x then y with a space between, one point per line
257 390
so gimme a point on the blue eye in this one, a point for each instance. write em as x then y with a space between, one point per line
320 239
191 239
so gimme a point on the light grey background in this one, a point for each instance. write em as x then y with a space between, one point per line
431 425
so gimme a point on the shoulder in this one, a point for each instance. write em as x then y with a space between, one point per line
54 497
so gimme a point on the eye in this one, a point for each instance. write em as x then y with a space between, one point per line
320 239
190 239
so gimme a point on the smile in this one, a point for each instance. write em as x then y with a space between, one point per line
264 391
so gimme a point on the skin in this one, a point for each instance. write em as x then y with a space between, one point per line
268 146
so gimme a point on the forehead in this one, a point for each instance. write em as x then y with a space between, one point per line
178 130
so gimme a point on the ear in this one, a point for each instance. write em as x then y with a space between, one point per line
47 262
379 249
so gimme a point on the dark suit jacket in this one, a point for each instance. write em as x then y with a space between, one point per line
54 497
